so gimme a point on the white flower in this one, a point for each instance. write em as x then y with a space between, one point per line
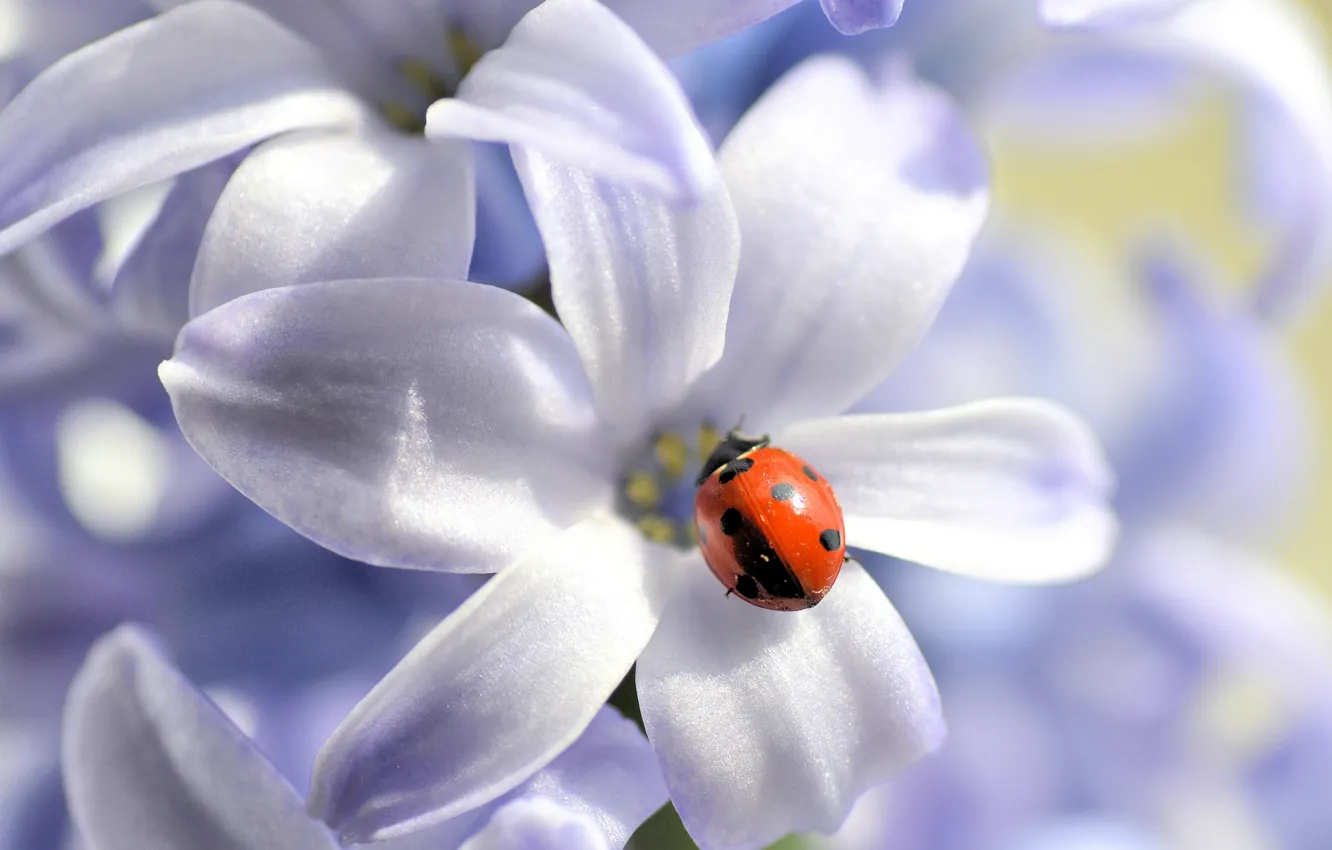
150 764
443 425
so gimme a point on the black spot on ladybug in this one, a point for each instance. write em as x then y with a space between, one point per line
731 522
809 473
783 492
830 539
746 586
756 557
734 468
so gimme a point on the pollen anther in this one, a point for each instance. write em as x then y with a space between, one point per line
672 453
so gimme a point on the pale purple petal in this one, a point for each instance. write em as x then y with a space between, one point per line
852 17
643 286
1240 608
1269 48
858 203
575 83
150 764
49 326
499 688
403 422
508 250
769 722
1013 490
151 289
1221 431
593 796
151 101
1085 92
1082 13
39 32
336 206
682 25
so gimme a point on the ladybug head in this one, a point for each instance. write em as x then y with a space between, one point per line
735 445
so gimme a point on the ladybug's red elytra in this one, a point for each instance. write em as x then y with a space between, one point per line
769 526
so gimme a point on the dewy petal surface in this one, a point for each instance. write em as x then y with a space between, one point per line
858 204
499 688
772 722
1013 489
576 83
151 101
642 285
335 206
403 422
150 764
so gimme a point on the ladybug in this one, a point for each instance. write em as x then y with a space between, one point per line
769 526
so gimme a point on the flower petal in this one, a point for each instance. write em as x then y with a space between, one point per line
575 82
153 100
852 17
403 422
1080 13
1013 489
499 688
151 290
150 764
642 286
399 207
858 205
508 249
1269 49
771 722
39 33
593 796
680 26
1221 436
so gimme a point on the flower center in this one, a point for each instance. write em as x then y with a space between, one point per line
657 493
426 84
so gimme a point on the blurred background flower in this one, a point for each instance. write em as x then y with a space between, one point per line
1156 266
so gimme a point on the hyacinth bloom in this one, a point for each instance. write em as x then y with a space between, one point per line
167 95
439 424
1180 698
149 762
1081 74
249 608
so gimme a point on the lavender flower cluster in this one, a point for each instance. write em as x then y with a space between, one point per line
358 359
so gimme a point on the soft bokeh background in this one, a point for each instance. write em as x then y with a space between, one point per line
1184 178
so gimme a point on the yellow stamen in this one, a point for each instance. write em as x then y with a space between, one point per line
708 438
465 51
642 490
672 454
425 79
657 528
401 117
